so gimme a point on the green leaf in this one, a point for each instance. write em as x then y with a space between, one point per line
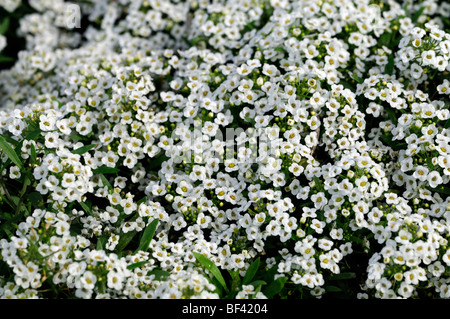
86 208
142 200
447 124
106 182
250 120
392 115
159 274
356 239
105 170
33 153
440 189
78 137
257 284
346 84
395 145
33 135
332 289
235 281
125 239
385 39
101 242
208 264
417 14
137 265
10 225
389 68
4 58
9 151
270 273
343 276
447 22
196 40
274 287
157 161
83 149
4 26
251 272
147 236
318 183
357 78
35 198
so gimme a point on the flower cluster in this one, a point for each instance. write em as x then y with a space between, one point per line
312 137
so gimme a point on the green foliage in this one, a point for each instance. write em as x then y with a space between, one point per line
212 268
147 236
10 152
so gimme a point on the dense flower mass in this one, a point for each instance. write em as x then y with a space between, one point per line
208 149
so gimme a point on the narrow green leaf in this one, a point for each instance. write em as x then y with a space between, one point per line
208 264
405 8
257 290
343 276
385 39
417 14
35 198
346 84
447 124
357 78
332 289
4 26
86 208
142 200
250 120
101 242
7 201
157 161
137 265
33 153
395 145
78 137
7 228
355 239
147 236
4 58
101 286
219 288
392 115
447 23
83 149
11 141
270 273
389 68
251 272
9 151
33 135
318 183
15 199
274 287
196 40
125 239
440 189
258 283
105 170
106 182
159 274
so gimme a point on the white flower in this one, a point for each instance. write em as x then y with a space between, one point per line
3 42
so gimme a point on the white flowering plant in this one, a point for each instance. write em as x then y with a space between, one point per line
225 149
